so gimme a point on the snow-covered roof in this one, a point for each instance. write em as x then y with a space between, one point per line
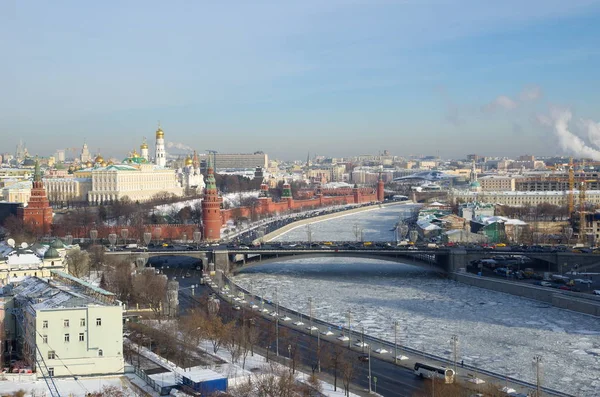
508 221
201 375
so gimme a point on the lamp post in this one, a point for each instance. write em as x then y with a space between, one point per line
157 233
124 235
362 338
454 340
93 235
112 239
197 236
349 315
147 238
68 239
396 342
310 301
370 390
537 366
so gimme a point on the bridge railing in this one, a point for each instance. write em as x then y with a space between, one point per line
391 345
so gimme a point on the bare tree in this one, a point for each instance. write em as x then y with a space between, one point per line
78 262
333 359
151 288
348 371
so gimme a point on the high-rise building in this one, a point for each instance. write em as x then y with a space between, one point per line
85 154
60 156
160 158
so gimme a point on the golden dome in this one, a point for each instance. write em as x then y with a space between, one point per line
188 161
159 133
99 159
88 164
110 163
134 154
144 146
103 164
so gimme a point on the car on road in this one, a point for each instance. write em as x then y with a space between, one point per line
583 281
364 359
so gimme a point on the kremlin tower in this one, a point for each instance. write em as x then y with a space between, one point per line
380 189
160 158
211 208
38 213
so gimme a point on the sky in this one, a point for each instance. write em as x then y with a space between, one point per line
334 78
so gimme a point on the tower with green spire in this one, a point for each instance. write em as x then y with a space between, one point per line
211 207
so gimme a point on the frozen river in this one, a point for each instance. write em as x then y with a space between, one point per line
496 331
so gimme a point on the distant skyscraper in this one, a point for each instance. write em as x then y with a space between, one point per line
85 154
160 157
60 155
21 151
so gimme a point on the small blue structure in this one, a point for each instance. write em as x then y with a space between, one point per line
203 381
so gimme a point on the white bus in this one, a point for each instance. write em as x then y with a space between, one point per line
429 371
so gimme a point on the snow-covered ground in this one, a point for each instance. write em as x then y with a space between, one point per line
232 199
496 331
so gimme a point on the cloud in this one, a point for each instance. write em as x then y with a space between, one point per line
593 131
501 102
559 119
180 146
531 93
453 114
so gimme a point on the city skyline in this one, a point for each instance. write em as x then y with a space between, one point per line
337 77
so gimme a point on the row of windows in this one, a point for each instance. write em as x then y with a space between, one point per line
66 323
52 355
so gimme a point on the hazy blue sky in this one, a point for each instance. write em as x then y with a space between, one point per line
329 76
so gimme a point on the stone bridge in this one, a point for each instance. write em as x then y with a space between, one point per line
446 260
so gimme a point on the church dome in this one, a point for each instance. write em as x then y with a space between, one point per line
475 184
99 159
51 253
89 164
144 146
57 244
159 133
188 161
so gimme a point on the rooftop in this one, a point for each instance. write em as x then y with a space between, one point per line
61 291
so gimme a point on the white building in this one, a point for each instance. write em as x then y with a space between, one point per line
160 157
519 199
36 260
85 154
75 327
189 176
139 183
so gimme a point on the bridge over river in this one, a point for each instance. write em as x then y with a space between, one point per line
443 259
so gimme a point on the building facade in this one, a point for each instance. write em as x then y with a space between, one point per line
77 328
223 161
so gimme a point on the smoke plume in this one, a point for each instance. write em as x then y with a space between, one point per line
559 121
180 146
593 131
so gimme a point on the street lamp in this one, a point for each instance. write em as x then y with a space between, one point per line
197 236
396 342
68 239
349 315
370 390
93 235
124 235
310 301
112 239
147 238
454 340
537 367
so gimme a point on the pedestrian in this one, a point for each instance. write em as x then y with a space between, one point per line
462 363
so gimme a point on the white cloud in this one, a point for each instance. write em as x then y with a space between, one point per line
531 93
559 120
593 131
501 102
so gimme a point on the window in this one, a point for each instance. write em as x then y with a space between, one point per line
45 338
100 353
98 321
81 337
67 338
50 371
66 323
51 355
82 322
45 324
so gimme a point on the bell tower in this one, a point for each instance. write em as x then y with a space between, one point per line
211 207
160 154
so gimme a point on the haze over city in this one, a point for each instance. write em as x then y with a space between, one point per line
341 77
